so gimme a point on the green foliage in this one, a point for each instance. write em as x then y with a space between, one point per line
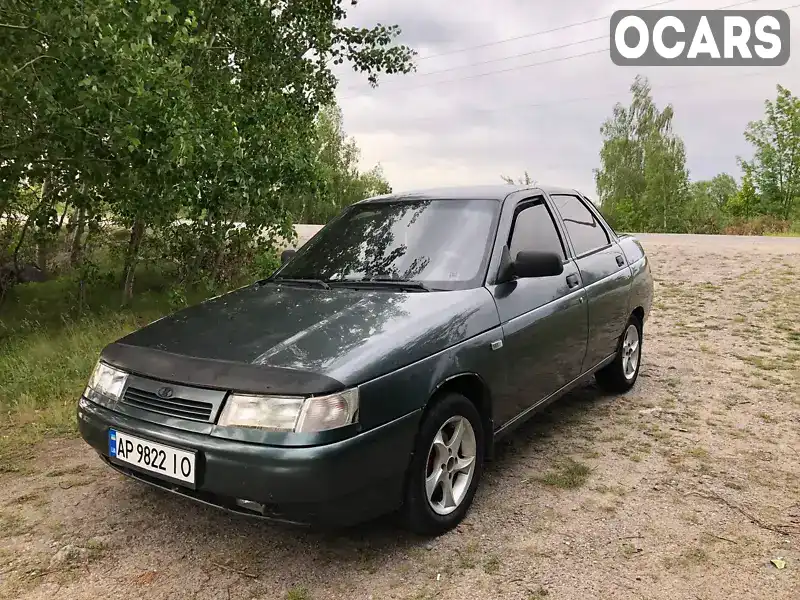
708 206
142 112
340 183
722 188
743 203
775 168
642 181
266 263
702 214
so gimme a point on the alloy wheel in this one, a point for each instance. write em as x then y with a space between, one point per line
631 350
450 465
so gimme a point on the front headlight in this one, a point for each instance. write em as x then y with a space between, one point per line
106 381
301 415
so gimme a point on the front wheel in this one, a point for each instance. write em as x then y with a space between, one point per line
446 466
621 374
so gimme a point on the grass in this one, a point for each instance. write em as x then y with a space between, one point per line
628 550
298 593
43 376
758 362
492 565
567 474
784 234
691 557
11 524
698 452
768 418
48 347
467 558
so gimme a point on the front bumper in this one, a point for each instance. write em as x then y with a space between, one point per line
336 484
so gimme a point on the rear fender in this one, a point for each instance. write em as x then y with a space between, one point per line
641 277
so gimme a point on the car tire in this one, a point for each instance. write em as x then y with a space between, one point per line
620 376
440 485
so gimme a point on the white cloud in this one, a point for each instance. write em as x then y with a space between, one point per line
430 131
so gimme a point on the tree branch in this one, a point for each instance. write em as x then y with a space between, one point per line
38 58
782 529
23 28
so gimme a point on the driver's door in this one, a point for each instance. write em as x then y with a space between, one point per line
544 320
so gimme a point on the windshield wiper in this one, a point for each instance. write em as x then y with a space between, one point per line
301 280
385 282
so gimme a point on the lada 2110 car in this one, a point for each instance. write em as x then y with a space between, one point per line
376 368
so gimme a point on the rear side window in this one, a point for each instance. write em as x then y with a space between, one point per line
585 231
534 229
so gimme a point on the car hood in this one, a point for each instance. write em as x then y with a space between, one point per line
340 335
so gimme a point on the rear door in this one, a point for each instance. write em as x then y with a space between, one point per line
544 319
604 272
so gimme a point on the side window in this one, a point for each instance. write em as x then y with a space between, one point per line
534 230
584 229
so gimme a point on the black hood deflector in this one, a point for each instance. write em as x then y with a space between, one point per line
217 374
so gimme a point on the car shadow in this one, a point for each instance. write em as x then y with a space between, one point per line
571 410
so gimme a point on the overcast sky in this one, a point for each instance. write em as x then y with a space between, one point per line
441 129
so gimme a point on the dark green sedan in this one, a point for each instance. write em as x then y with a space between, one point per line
377 367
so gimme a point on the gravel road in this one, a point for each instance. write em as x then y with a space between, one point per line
687 487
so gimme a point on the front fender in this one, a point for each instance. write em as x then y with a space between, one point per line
411 387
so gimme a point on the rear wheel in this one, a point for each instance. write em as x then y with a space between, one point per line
622 373
446 466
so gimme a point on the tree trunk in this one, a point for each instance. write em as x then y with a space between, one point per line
63 216
131 257
20 242
77 246
43 244
42 255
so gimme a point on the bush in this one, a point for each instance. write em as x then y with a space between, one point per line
760 225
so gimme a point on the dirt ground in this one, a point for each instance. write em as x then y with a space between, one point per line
687 487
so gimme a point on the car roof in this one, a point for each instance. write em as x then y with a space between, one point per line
497 192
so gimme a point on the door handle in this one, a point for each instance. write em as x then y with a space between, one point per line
620 260
572 280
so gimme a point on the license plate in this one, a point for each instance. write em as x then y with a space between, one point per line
149 456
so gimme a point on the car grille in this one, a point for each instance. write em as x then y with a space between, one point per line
173 407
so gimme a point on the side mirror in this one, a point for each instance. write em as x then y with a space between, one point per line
287 255
537 264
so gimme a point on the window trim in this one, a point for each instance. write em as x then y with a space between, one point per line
612 235
610 239
531 202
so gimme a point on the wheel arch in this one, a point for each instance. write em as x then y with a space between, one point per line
473 387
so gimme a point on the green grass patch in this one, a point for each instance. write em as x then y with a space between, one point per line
50 340
567 474
783 234
492 565
759 362
298 593
698 452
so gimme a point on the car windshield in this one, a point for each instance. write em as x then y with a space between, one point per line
443 244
